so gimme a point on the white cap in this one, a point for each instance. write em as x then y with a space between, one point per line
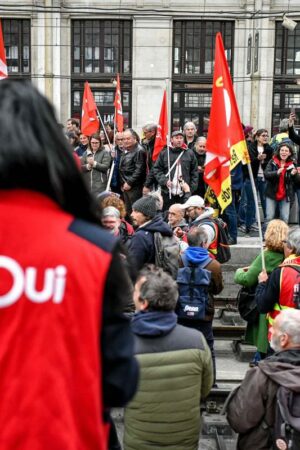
194 201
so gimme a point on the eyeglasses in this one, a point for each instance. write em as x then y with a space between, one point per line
264 135
95 143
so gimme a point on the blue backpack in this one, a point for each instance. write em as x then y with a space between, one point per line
193 282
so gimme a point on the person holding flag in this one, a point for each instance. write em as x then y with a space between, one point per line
176 171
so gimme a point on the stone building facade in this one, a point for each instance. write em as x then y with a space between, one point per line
156 44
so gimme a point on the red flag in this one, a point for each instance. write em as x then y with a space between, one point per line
226 145
119 119
89 117
3 65
162 129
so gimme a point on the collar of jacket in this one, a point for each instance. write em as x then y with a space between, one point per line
153 323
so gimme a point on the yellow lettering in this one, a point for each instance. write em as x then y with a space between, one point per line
219 82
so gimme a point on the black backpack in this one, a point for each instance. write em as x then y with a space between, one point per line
167 252
223 254
286 432
193 282
246 304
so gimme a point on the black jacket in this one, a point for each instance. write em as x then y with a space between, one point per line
132 168
296 139
272 177
141 247
149 147
253 153
188 163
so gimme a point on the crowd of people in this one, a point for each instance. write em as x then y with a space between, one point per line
169 197
120 315
177 173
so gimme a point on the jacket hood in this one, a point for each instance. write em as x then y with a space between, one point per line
207 213
157 224
153 323
283 368
197 255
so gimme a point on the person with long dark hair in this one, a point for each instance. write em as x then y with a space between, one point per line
67 351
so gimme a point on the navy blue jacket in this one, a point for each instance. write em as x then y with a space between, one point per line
141 247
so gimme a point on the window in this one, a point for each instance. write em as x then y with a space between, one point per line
194 45
16 34
101 46
249 55
286 90
100 50
104 95
193 61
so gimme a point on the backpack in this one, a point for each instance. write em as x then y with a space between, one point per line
246 304
167 253
286 432
193 282
223 254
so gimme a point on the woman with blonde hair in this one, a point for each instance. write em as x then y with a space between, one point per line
276 233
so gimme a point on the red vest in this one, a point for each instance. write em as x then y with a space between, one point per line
288 278
51 291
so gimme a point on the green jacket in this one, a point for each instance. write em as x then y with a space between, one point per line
257 334
175 373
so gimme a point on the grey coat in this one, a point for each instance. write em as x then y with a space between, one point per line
98 176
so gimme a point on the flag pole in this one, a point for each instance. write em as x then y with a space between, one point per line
168 147
263 263
111 170
105 132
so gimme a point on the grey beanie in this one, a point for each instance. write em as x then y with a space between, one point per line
146 205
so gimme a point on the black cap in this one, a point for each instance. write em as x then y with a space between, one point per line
177 133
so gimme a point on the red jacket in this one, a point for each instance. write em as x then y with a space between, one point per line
52 282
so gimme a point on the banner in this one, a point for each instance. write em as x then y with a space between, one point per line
226 145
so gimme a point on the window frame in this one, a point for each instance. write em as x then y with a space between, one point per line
20 45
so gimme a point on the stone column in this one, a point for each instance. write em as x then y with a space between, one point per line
152 67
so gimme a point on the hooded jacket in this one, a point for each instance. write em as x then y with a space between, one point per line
251 407
204 221
175 373
141 248
197 256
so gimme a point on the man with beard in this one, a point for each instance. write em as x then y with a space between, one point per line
175 168
252 406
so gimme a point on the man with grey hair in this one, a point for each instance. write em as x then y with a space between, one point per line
252 406
175 370
276 292
196 262
283 134
149 131
190 134
110 219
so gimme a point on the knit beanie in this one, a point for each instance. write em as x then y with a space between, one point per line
146 205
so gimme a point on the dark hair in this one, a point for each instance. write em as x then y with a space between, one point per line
159 289
74 121
260 131
34 152
289 146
